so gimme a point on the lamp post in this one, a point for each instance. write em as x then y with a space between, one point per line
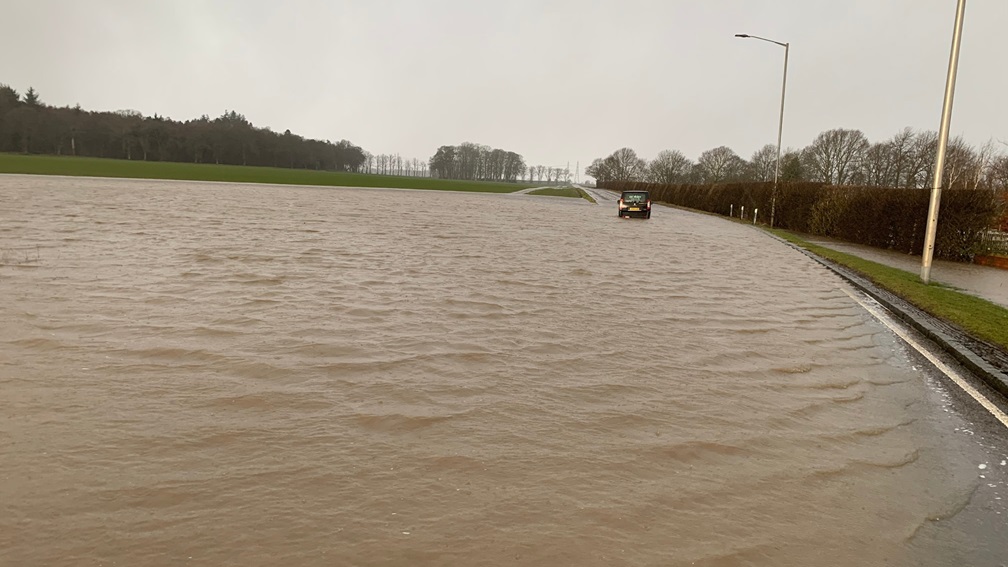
780 128
946 119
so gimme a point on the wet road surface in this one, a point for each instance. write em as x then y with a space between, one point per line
211 374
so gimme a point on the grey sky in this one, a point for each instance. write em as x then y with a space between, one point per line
556 81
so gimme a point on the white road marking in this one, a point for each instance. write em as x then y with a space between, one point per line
952 374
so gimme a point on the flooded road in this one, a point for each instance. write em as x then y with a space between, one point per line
211 374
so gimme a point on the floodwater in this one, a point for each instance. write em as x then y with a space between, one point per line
212 374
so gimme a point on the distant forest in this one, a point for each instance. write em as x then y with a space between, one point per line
27 125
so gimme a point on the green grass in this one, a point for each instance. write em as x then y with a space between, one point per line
98 167
977 317
563 192
557 192
587 197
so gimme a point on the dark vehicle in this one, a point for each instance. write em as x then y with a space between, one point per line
635 204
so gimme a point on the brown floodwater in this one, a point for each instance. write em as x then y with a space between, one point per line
214 374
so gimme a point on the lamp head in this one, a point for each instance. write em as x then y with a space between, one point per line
741 35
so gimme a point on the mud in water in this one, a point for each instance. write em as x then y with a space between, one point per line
210 374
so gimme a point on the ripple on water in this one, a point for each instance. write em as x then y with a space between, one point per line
188 375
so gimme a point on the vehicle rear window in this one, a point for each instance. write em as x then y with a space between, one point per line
635 197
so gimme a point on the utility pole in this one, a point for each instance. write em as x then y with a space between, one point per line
946 119
780 127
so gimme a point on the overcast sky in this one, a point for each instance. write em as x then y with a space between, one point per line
557 81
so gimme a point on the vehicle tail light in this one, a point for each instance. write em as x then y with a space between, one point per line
649 203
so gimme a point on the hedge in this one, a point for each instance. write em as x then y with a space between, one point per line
876 216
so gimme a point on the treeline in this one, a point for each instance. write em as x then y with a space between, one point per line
394 164
29 126
448 164
476 162
548 175
483 163
838 157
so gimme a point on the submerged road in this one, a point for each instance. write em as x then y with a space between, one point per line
252 375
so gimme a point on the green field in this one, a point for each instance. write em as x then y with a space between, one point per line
977 317
97 167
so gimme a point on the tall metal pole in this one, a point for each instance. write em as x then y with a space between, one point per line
780 128
780 135
946 119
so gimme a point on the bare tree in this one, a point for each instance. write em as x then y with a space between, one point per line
763 163
921 164
669 166
891 163
720 165
624 165
997 173
878 166
901 157
835 156
984 157
599 169
961 162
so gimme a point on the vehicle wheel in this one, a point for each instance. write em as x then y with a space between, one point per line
648 215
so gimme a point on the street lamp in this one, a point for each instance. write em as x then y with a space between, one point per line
946 119
780 128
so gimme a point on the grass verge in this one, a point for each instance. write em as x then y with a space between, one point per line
564 192
977 317
136 169
586 196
